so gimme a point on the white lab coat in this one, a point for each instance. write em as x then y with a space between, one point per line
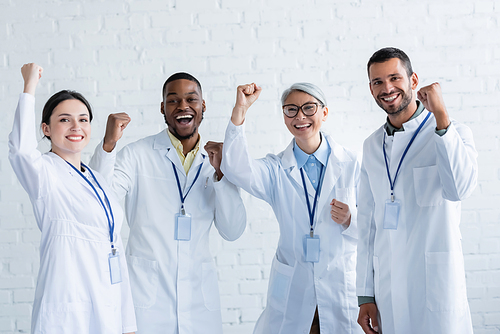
174 283
416 272
74 293
296 286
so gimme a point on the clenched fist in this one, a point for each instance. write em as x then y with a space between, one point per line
246 95
214 151
31 74
432 98
114 130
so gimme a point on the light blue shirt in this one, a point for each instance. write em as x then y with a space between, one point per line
312 163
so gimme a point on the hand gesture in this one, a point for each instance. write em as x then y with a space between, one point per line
246 95
368 318
340 213
114 130
432 98
31 74
214 151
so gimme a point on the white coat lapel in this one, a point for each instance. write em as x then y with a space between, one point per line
200 158
64 165
401 141
163 144
172 156
332 173
290 166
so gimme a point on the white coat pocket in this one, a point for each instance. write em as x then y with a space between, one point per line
61 318
279 284
445 282
143 281
427 186
210 286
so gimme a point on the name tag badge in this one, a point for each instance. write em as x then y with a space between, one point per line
114 268
391 216
182 227
311 248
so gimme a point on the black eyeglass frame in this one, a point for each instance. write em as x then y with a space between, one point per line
300 108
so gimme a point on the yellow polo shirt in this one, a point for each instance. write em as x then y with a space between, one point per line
187 160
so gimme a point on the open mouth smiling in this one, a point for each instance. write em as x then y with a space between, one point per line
302 126
184 119
390 97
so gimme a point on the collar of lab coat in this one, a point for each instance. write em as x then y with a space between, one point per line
333 170
321 154
162 143
64 165
412 124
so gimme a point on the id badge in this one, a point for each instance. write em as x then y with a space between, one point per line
114 268
311 248
391 216
182 227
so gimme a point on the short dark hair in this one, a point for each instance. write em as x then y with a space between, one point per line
59 97
383 55
178 76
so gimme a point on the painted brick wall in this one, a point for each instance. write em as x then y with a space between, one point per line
118 54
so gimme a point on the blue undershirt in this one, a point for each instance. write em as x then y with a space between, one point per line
311 163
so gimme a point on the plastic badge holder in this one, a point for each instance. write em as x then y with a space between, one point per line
182 227
391 216
312 248
114 268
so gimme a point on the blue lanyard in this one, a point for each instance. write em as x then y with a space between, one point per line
183 198
311 213
111 222
402 157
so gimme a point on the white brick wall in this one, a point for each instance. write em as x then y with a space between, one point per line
118 54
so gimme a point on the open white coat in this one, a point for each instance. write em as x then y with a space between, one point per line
296 286
416 272
74 293
174 283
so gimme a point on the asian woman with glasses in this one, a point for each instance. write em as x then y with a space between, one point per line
312 187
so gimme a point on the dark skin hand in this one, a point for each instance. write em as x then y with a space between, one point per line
214 150
368 312
114 130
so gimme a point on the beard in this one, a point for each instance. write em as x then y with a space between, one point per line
396 110
178 136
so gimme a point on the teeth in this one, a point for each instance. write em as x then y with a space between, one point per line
184 116
301 126
389 99
75 138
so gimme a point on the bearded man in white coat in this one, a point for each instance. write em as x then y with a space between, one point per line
172 196
416 170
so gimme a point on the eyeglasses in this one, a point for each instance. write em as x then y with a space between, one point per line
309 109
